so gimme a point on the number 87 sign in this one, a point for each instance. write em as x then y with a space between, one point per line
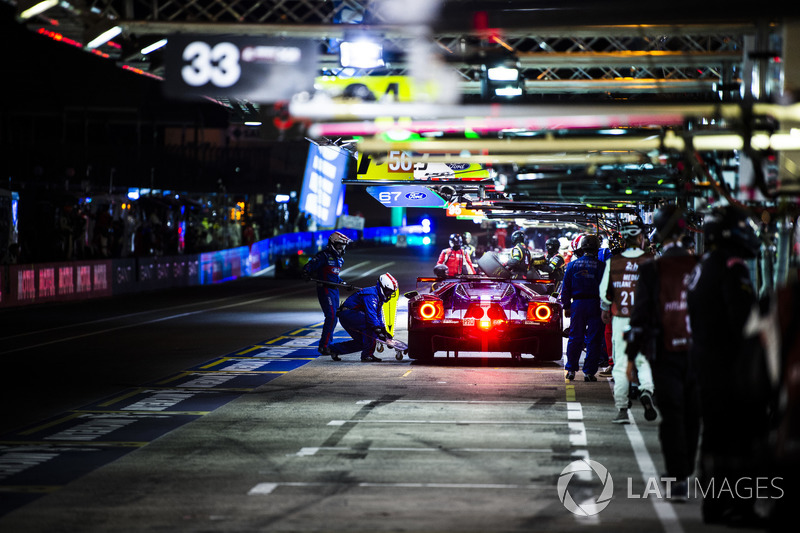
253 68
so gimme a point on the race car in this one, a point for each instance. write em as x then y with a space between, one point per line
484 314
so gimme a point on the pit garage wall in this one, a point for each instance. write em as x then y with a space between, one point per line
78 280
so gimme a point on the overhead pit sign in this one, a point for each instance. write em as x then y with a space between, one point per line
399 165
322 185
252 68
406 196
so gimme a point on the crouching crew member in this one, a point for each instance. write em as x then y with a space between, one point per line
361 316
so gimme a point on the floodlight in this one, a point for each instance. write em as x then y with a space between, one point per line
503 74
101 34
153 47
30 8
361 54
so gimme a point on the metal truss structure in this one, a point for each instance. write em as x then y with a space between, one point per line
614 55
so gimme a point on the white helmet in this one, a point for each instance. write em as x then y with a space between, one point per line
387 285
337 241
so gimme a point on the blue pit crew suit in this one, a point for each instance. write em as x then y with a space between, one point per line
362 317
325 266
580 295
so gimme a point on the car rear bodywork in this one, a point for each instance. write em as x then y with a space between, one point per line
483 314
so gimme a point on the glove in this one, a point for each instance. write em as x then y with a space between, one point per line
567 313
382 334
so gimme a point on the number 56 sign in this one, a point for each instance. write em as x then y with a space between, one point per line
257 69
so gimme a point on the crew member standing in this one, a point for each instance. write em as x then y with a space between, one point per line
659 329
580 298
454 261
617 291
520 261
324 268
555 263
729 366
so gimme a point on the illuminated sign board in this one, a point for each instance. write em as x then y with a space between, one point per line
253 68
322 186
398 165
458 210
406 196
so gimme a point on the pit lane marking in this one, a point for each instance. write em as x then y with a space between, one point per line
262 489
463 422
310 451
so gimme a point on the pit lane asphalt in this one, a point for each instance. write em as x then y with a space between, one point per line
469 444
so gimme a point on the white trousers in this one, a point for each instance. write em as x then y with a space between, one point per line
618 327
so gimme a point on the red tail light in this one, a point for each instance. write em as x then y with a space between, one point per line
539 312
430 310
485 316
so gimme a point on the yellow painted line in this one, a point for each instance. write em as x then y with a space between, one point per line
50 424
120 398
224 359
192 413
297 331
276 339
318 325
30 489
570 393
407 373
76 444
251 349
215 389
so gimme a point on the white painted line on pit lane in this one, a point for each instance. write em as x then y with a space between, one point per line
377 268
153 321
267 488
487 422
350 269
666 514
664 511
310 451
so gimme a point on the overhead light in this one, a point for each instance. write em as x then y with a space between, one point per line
361 54
252 123
153 47
508 91
100 35
503 74
31 8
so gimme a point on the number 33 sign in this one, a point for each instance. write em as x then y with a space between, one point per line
253 68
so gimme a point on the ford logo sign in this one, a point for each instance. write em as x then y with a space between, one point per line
416 196
458 166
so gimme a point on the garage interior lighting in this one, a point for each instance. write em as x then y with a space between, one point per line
104 36
153 47
508 91
503 74
32 8
360 54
